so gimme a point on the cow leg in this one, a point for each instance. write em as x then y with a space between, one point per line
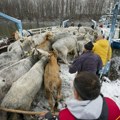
64 56
48 96
59 96
75 52
59 90
47 93
56 51
50 101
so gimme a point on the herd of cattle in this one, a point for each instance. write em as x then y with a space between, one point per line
29 59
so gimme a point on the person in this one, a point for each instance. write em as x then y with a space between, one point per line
101 25
92 26
88 103
102 48
79 25
72 24
87 61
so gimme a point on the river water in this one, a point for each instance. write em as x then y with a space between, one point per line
7 28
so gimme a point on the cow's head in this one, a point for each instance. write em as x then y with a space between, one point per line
53 53
49 36
16 35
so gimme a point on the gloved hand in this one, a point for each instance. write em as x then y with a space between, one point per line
49 116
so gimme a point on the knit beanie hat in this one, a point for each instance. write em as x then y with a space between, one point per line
87 85
89 46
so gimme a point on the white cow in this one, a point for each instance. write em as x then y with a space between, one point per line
14 46
24 44
39 53
58 35
2 85
26 33
38 38
23 91
2 82
11 56
65 45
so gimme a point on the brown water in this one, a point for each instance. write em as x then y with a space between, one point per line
7 27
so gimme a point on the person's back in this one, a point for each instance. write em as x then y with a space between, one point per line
88 103
113 112
88 61
103 49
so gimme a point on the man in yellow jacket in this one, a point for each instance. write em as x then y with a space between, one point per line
103 49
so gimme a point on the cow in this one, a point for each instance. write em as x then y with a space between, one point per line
52 81
2 82
58 35
25 44
65 45
38 53
2 85
14 46
89 30
27 33
20 98
16 35
46 43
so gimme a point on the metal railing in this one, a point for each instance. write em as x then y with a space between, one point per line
42 30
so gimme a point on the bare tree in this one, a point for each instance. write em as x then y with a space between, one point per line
40 10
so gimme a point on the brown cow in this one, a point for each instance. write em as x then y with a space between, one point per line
16 35
52 81
46 44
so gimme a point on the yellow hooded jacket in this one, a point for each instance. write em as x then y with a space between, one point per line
103 49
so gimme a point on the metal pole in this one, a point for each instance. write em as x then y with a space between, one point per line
114 19
111 35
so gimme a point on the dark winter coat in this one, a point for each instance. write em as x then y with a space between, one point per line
88 61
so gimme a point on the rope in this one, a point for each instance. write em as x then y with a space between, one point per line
25 112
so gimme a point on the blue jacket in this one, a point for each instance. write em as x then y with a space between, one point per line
88 61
